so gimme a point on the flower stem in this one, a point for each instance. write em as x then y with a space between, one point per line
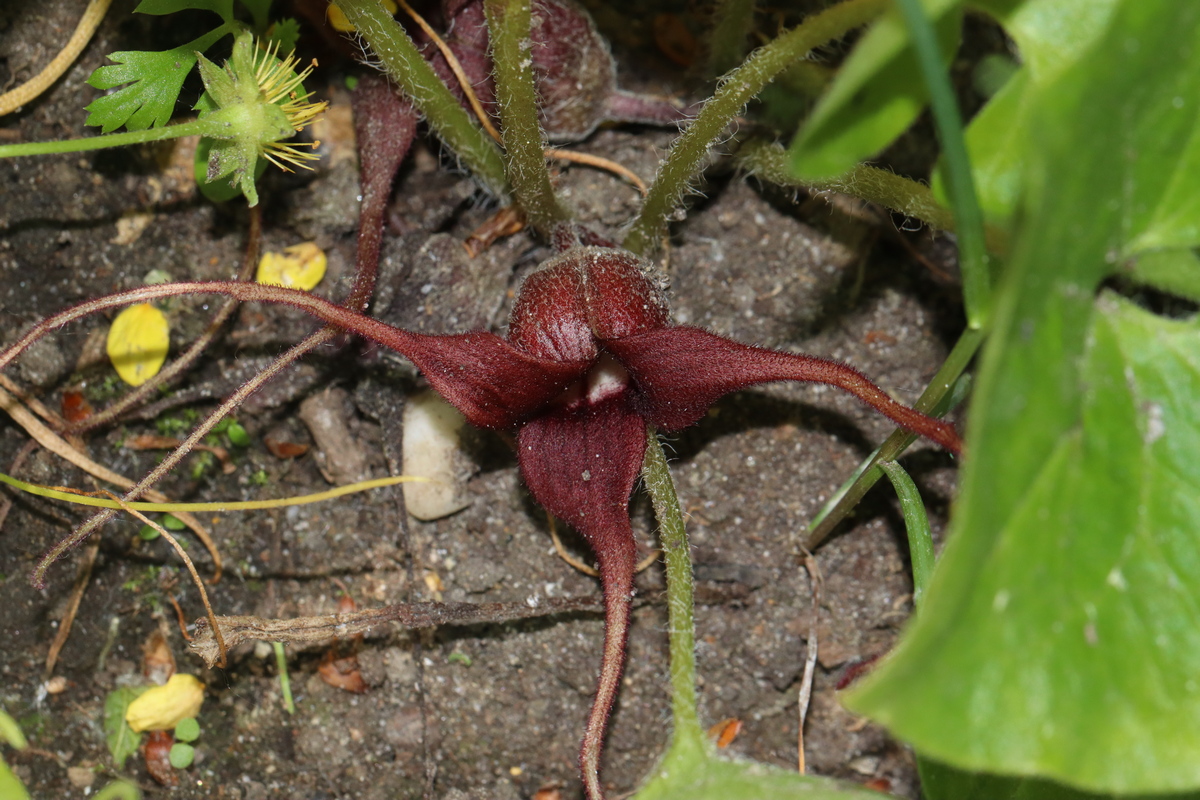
690 151
403 63
193 128
673 538
960 183
768 161
520 131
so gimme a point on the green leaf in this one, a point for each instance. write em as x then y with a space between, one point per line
173 523
916 525
1176 271
11 787
119 790
259 11
181 755
875 97
158 7
284 33
11 733
1051 35
188 730
997 143
940 782
122 741
690 773
237 434
150 81
1058 635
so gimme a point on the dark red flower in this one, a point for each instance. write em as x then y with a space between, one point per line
590 360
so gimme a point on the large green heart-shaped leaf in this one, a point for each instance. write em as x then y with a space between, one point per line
1058 637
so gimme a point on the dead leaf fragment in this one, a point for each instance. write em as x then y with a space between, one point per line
138 342
160 708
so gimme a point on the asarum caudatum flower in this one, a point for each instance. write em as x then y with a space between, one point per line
591 359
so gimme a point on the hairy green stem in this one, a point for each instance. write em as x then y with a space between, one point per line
916 524
403 63
520 131
732 22
936 400
680 603
690 151
960 183
195 127
768 161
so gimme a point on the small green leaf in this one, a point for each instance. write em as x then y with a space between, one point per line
237 434
11 733
284 34
119 790
181 755
148 533
173 523
11 787
188 730
122 741
151 84
459 658
875 97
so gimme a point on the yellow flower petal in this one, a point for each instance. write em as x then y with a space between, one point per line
161 708
300 266
138 342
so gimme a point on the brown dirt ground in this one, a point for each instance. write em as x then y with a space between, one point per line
506 719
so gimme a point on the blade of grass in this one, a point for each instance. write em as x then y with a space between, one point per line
960 184
916 524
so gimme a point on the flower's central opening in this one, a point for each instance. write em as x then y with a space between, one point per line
605 379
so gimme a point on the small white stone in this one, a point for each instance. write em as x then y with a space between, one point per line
432 449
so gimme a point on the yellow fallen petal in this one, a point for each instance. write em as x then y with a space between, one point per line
338 21
138 342
300 266
161 708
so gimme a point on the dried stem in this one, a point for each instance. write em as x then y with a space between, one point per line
315 631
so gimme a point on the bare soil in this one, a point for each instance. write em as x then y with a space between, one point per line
490 711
